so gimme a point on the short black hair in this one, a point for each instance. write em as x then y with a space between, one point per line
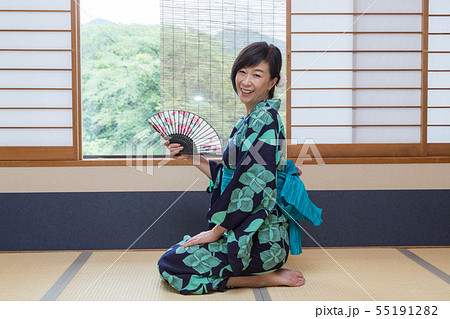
254 54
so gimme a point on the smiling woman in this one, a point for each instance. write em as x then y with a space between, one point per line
247 242
255 73
254 84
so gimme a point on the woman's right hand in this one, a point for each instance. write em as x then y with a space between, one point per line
202 164
174 149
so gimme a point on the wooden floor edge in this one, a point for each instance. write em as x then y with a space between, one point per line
161 249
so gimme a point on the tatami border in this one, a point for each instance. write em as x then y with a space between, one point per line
425 264
59 286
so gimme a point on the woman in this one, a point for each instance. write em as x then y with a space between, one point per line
247 241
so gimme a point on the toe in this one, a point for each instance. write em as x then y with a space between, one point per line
301 281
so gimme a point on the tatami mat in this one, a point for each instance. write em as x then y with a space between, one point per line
133 277
325 280
438 257
362 274
28 276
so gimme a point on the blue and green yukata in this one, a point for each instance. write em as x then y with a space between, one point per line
257 238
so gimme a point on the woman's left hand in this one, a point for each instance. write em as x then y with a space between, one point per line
204 237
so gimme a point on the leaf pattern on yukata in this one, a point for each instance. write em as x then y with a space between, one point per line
241 199
273 256
231 236
174 281
201 260
278 156
269 137
270 198
284 232
190 249
246 261
219 217
240 135
245 246
197 284
260 119
185 239
227 267
218 246
248 142
270 230
254 225
256 177
239 122
283 219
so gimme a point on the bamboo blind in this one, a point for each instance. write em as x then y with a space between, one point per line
199 43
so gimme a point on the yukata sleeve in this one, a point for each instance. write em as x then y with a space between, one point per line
214 169
253 186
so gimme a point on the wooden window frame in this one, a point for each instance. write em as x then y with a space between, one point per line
331 154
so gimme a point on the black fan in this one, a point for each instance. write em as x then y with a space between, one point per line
189 130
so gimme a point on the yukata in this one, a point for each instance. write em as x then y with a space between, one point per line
256 240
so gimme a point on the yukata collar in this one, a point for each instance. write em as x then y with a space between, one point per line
271 103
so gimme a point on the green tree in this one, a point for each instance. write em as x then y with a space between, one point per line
120 84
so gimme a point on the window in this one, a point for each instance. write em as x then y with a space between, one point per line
122 81
120 68
131 71
359 77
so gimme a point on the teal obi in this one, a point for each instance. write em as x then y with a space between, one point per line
293 200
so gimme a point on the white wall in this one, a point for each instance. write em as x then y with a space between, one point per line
181 178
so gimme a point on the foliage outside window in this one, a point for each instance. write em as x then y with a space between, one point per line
131 71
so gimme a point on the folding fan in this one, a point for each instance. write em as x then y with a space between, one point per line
189 130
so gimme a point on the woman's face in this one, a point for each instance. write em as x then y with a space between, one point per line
253 84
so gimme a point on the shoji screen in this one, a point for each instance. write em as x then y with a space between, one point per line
356 77
439 78
38 83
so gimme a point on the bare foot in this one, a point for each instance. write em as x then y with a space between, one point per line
284 277
280 277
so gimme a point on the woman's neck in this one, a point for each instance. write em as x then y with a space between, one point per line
252 106
249 109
